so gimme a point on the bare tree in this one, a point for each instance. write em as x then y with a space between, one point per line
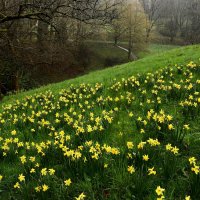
130 26
169 19
37 33
192 28
45 10
152 10
135 29
118 24
180 18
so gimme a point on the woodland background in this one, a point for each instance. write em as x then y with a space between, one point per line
45 41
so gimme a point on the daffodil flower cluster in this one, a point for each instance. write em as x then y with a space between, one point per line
96 141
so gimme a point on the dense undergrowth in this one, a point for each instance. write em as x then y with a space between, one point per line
137 138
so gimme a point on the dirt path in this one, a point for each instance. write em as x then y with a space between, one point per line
133 56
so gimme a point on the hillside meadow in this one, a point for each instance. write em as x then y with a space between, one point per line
127 132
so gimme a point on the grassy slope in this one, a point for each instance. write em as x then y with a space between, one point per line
147 64
155 49
117 178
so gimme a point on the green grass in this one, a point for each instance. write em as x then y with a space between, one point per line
147 64
129 132
155 49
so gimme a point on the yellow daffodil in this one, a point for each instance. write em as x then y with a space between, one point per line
151 171
187 198
68 182
44 172
130 145
45 188
160 191
81 196
21 177
131 169
17 185
145 157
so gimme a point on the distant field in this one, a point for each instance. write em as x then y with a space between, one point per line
156 49
105 54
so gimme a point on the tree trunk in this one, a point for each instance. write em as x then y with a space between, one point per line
1 95
148 35
16 82
129 54
42 35
116 40
172 39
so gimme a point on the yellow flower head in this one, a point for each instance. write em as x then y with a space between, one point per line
32 171
81 196
21 177
105 165
131 169
159 191
169 117
187 198
38 188
192 160
151 171
44 171
17 185
45 188
130 114
51 171
32 159
161 198
170 127
14 132
196 169
175 150
141 145
23 159
168 147
145 157
186 127
68 182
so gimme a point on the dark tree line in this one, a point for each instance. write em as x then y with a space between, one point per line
181 18
41 35
173 18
